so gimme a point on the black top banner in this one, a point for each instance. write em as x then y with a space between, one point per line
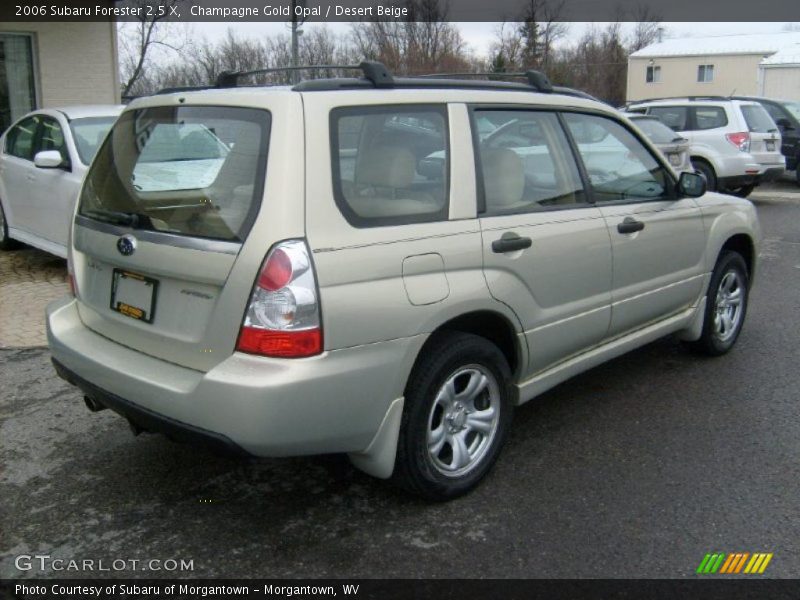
233 11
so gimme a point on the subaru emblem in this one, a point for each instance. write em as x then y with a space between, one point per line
126 245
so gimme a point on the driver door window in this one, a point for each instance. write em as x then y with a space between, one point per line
619 167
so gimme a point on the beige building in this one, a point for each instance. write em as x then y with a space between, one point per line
752 64
51 64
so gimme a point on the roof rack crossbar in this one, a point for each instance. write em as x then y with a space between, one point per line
374 71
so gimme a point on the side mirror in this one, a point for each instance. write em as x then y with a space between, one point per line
784 124
49 159
692 185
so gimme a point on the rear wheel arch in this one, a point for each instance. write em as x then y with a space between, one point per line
489 325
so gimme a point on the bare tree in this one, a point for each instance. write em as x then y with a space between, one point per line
139 39
647 30
423 43
541 27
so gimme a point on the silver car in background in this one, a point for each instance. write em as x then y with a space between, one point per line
673 146
44 157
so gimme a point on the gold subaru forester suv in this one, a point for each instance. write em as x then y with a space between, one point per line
383 267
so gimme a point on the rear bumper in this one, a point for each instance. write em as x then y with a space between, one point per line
146 419
334 402
765 175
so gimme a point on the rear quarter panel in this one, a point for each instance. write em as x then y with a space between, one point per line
366 291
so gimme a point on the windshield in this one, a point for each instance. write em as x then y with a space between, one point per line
88 134
195 171
758 119
657 131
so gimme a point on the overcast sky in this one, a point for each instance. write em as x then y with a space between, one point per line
479 35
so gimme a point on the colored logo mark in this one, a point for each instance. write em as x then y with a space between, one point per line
734 563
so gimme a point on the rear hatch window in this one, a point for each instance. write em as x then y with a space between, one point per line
758 119
191 170
657 131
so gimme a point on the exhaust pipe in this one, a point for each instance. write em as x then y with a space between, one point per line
93 405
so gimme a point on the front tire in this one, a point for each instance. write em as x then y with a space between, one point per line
456 417
726 305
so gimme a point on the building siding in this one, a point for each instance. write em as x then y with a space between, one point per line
732 74
76 63
782 82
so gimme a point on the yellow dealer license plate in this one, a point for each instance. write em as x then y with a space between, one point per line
133 295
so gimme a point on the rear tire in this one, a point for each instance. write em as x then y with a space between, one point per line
726 305
707 171
456 417
6 243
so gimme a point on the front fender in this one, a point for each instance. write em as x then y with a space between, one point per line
725 216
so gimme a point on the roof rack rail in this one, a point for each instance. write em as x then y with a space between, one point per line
536 79
376 75
690 98
373 71
180 88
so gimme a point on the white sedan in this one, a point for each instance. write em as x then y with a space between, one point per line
43 159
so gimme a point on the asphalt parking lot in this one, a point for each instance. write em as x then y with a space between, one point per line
636 468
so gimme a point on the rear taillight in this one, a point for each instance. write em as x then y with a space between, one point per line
283 317
740 140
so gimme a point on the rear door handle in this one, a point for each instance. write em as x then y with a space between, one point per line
630 225
510 244
30 177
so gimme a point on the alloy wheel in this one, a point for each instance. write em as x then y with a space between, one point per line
728 305
463 420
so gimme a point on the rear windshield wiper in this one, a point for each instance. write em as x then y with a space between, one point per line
127 219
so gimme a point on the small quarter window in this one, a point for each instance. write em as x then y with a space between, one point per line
390 164
52 138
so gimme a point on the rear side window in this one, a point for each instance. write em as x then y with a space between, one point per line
191 170
674 117
20 139
526 163
709 117
758 119
390 164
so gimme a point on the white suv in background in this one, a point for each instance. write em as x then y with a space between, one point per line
735 144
